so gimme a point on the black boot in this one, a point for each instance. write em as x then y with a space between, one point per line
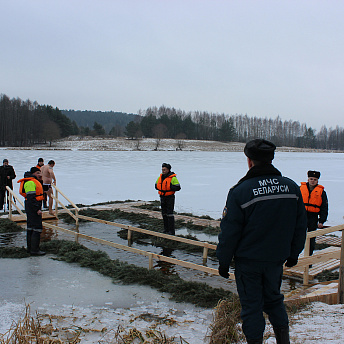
254 341
35 240
28 240
282 335
171 230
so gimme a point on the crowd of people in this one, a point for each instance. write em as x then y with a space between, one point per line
263 227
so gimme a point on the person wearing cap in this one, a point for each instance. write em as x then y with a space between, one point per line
263 226
316 203
31 188
7 175
167 184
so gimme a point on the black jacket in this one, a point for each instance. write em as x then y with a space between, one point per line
264 218
5 171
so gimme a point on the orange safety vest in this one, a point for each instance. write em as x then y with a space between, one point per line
39 188
312 200
165 185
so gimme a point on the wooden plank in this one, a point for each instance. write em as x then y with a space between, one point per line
341 274
148 232
138 251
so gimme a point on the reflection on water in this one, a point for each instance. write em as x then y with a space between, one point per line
8 239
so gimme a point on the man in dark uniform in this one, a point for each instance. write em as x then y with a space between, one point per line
7 175
316 203
264 224
167 184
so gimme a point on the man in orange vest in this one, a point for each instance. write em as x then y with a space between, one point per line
31 188
315 200
167 184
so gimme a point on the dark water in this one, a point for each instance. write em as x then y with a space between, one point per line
109 233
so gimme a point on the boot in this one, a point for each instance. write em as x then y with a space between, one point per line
35 240
171 230
28 240
282 335
254 341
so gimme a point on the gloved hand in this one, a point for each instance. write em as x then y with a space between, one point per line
291 262
223 271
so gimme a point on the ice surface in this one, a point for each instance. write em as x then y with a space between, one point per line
98 176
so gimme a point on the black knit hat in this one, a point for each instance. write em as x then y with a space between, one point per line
34 169
314 174
260 150
167 166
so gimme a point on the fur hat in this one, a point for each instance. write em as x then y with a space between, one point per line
34 169
260 150
167 166
313 174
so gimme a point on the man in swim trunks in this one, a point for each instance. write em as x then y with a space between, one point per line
48 179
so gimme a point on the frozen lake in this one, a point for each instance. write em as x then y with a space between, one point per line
98 176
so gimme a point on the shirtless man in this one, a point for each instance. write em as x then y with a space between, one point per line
48 179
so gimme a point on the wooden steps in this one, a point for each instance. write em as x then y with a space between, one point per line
326 259
326 292
20 218
329 240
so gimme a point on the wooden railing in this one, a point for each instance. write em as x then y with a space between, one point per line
303 262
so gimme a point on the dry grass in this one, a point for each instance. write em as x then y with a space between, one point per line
48 329
226 325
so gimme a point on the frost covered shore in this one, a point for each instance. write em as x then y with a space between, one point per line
150 144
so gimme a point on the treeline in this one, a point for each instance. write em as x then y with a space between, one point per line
164 122
24 123
112 123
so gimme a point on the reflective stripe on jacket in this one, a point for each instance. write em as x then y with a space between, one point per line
164 186
38 188
312 200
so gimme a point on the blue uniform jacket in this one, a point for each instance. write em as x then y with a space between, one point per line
264 218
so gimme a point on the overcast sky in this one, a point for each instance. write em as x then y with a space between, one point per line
256 57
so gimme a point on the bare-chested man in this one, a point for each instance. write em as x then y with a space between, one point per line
48 179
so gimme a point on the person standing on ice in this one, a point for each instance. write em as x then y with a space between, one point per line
167 184
31 188
264 225
316 203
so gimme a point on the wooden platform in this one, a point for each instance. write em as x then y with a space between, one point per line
318 267
329 240
20 218
326 292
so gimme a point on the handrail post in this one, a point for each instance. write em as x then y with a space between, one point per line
341 273
205 255
150 264
56 203
77 220
129 237
10 207
306 254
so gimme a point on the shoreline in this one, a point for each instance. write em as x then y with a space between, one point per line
149 144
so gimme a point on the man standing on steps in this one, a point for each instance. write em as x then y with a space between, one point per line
31 188
264 225
167 184
316 203
48 179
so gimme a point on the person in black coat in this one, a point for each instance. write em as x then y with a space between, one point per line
264 225
7 175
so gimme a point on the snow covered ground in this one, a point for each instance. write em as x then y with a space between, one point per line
91 176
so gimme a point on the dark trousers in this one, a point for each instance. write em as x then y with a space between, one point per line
2 198
312 225
258 285
167 207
